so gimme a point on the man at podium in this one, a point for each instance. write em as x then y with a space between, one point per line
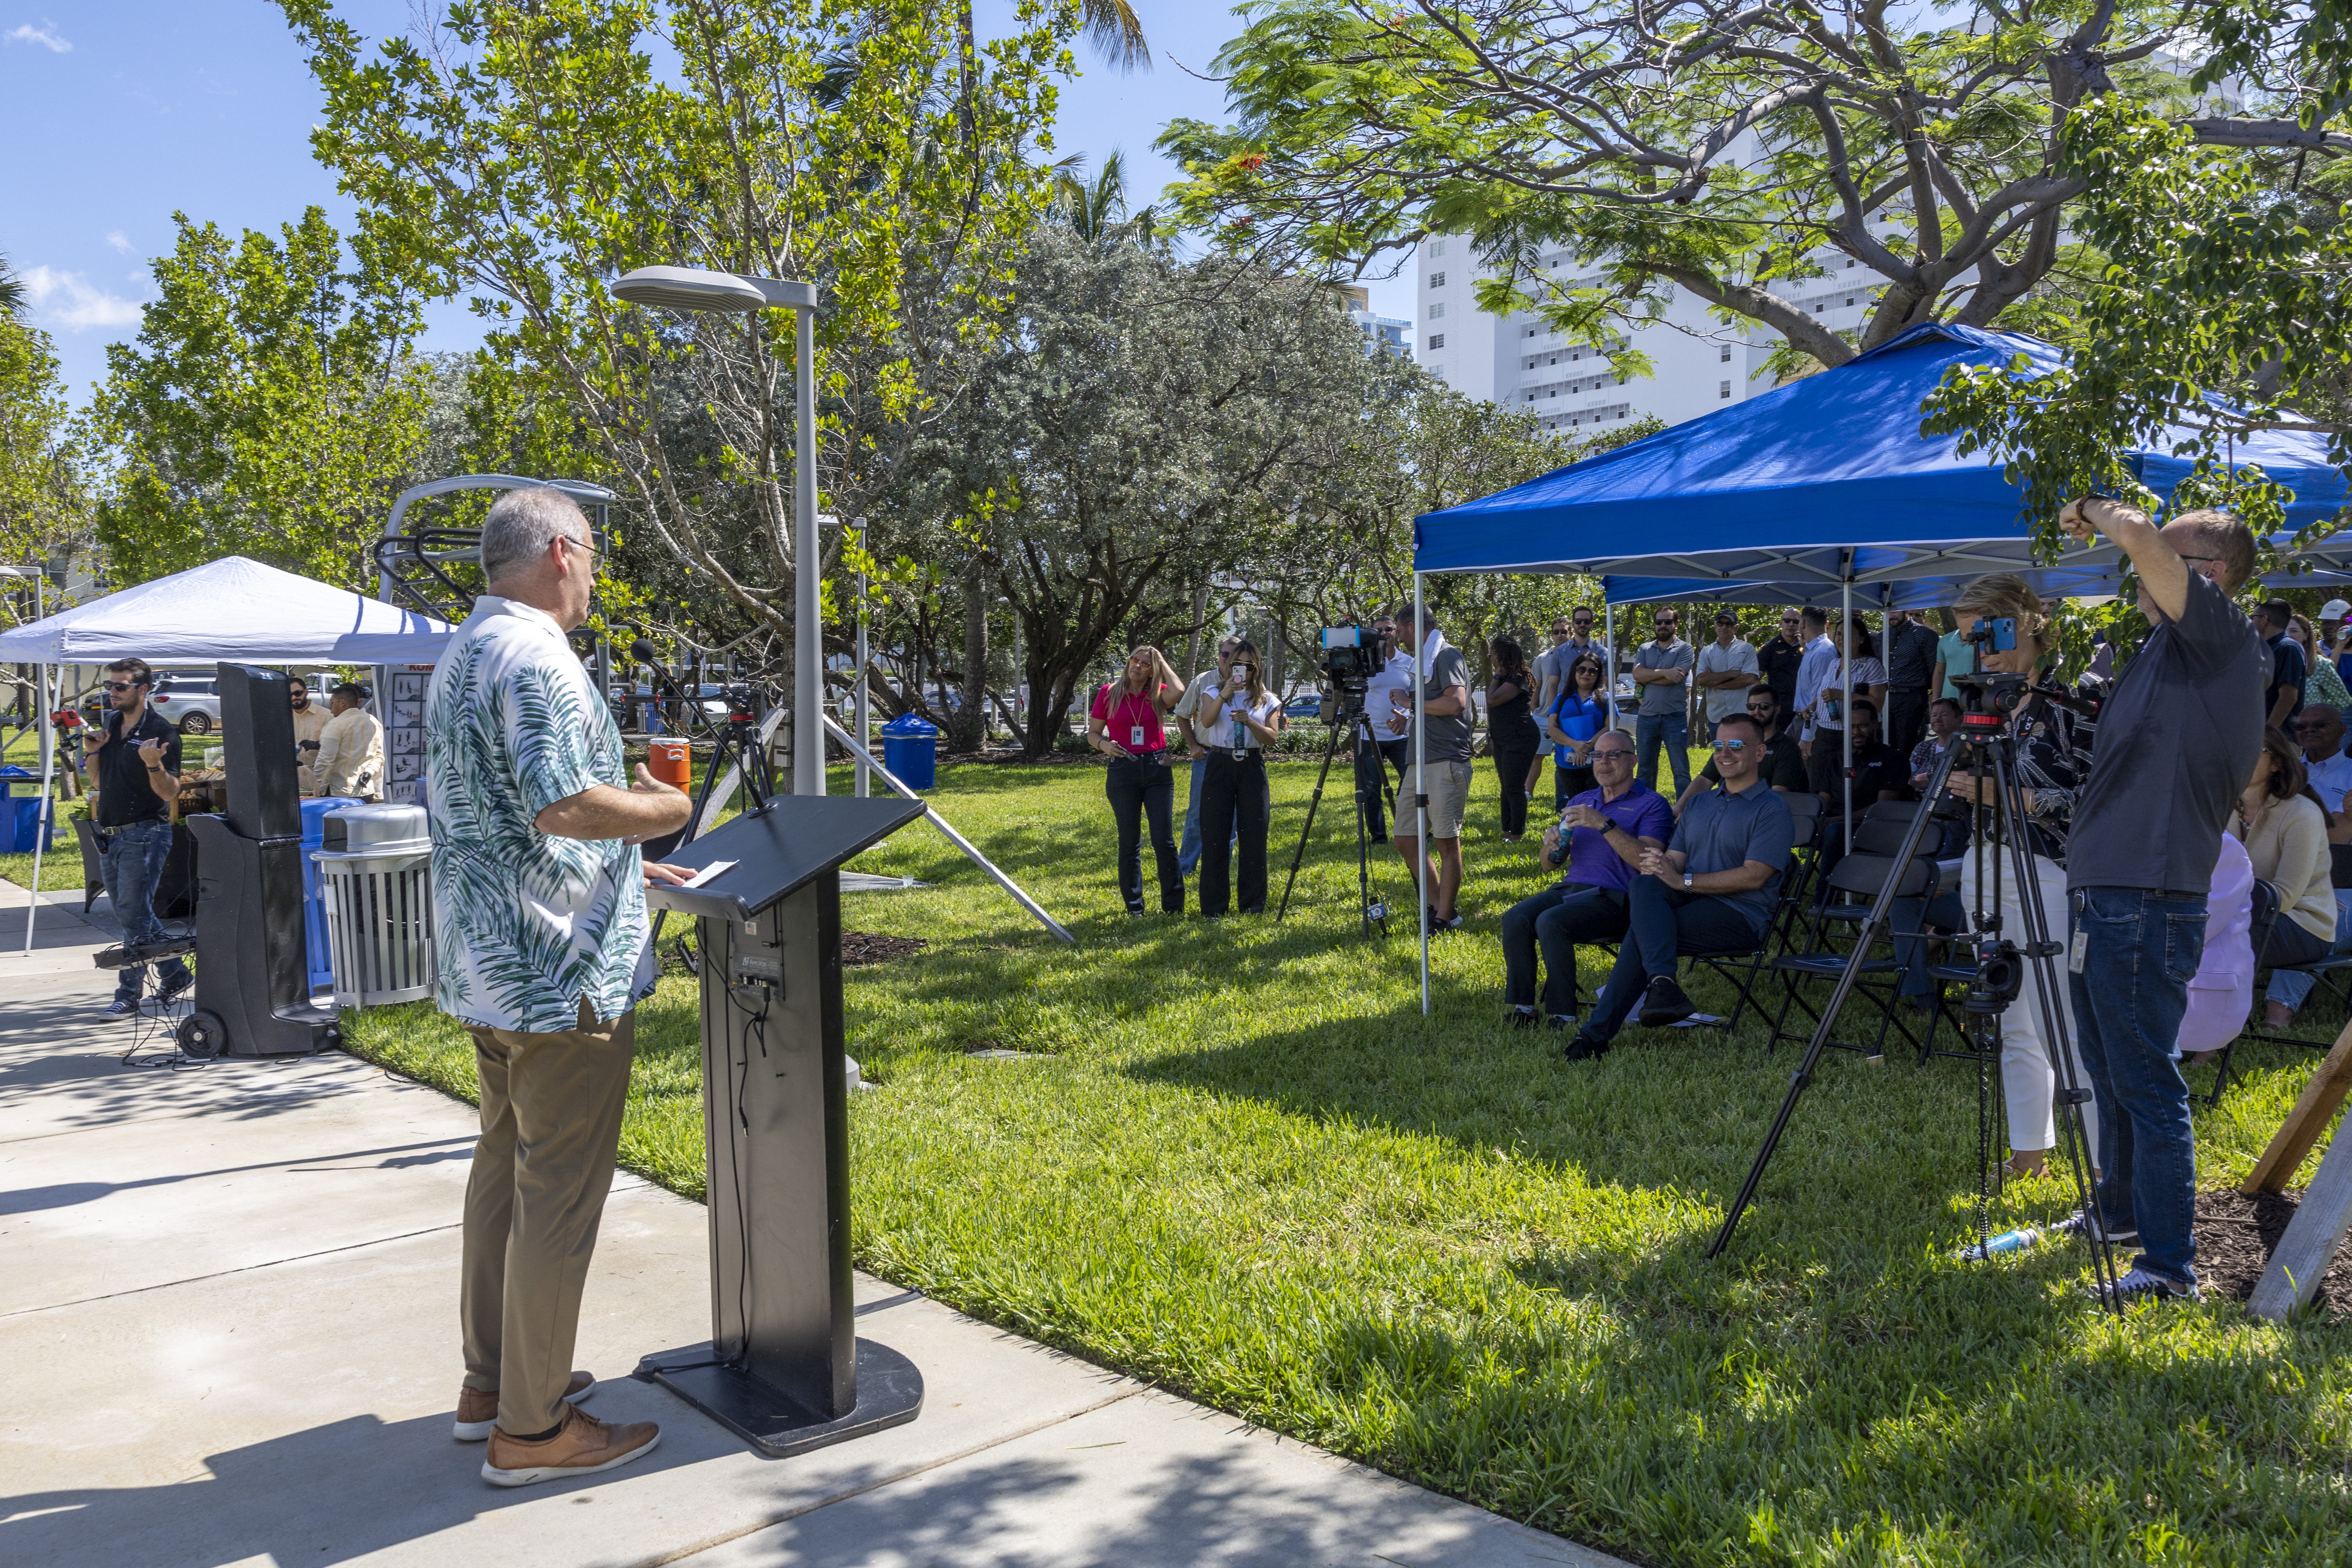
539 909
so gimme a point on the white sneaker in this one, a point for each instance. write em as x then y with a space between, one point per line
2139 1285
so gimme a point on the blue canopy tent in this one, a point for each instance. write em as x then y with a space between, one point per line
1822 487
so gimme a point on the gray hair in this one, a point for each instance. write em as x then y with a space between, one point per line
523 522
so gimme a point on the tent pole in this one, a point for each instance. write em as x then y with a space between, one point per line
1609 660
41 828
1420 779
1847 630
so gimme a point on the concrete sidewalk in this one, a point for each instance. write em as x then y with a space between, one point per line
229 1321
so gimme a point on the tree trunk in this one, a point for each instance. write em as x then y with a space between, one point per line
1200 620
970 720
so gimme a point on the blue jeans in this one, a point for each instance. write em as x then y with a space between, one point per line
1661 924
1672 729
1555 920
2140 950
132 861
1188 853
2293 987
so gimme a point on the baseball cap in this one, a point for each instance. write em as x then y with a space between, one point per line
2334 610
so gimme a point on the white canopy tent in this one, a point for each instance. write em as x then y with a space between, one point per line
232 609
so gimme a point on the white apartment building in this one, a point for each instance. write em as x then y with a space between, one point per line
1701 364
1382 334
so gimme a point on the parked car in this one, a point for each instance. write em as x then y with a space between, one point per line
190 700
1307 708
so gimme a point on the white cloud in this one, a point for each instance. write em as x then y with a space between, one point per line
119 240
79 306
45 35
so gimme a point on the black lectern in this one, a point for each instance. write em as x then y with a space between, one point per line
784 1368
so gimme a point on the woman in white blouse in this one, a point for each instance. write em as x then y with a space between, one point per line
2285 827
1246 718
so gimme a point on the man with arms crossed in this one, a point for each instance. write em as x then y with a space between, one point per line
1712 889
1445 699
539 898
2177 742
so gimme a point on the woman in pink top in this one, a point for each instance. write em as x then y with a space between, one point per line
1127 725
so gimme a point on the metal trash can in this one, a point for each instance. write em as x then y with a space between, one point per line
911 749
21 828
376 862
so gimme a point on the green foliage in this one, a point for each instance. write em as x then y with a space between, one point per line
43 497
1241 1165
2220 310
526 156
1717 148
269 407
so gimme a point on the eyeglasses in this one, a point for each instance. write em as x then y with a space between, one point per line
590 551
1617 753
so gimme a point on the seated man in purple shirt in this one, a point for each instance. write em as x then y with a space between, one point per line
1607 830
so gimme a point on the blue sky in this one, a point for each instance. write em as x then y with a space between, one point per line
119 114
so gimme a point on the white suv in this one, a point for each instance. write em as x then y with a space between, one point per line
190 700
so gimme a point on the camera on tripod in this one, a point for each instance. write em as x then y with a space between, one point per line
1351 656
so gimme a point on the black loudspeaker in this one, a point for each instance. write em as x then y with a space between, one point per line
253 970
783 1368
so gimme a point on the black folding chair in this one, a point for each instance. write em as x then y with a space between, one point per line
1858 879
2328 973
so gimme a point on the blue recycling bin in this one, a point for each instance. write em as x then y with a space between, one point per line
22 787
314 892
911 749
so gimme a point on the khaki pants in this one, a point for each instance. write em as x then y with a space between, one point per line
550 1130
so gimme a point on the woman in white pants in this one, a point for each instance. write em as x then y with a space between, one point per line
2049 764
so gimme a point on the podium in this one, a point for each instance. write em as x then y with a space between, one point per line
783 1369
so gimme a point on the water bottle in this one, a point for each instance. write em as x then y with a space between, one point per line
1558 853
2007 1241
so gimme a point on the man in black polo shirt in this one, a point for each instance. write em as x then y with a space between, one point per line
1777 660
1783 767
1712 889
133 760
1910 660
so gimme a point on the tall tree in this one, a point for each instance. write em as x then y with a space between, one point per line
1141 423
2224 306
269 407
1712 146
527 155
44 486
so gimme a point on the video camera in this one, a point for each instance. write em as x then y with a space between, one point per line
1351 656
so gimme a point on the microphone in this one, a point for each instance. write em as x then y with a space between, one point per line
642 651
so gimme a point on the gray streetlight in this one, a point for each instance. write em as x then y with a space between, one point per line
694 289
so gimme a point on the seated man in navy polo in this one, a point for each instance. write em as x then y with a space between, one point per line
1712 889
1608 830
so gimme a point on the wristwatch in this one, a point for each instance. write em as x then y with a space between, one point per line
1687 880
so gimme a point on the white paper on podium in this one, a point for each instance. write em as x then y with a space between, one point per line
706 873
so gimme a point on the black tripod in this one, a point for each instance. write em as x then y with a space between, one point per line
736 742
1348 721
1997 819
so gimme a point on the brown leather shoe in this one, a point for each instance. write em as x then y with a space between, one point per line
582 1448
478 1408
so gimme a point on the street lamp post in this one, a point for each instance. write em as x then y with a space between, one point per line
695 288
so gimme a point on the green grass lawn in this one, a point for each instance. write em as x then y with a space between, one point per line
1242 1163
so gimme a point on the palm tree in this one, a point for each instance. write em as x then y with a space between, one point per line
12 290
1093 208
1116 32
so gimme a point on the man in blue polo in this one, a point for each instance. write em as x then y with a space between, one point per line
1608 830
1712 889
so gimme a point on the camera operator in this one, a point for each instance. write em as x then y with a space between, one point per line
1445 700
133 760
1712 889
1125 724
2050 764
1393 672
1621 819
2178 740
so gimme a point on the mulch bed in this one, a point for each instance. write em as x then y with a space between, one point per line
866 947
2236 1235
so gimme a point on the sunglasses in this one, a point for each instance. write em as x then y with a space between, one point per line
124 684
1733 745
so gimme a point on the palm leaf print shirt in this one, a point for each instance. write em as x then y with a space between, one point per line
530 925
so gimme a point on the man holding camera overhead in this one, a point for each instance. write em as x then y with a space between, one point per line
2178 739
